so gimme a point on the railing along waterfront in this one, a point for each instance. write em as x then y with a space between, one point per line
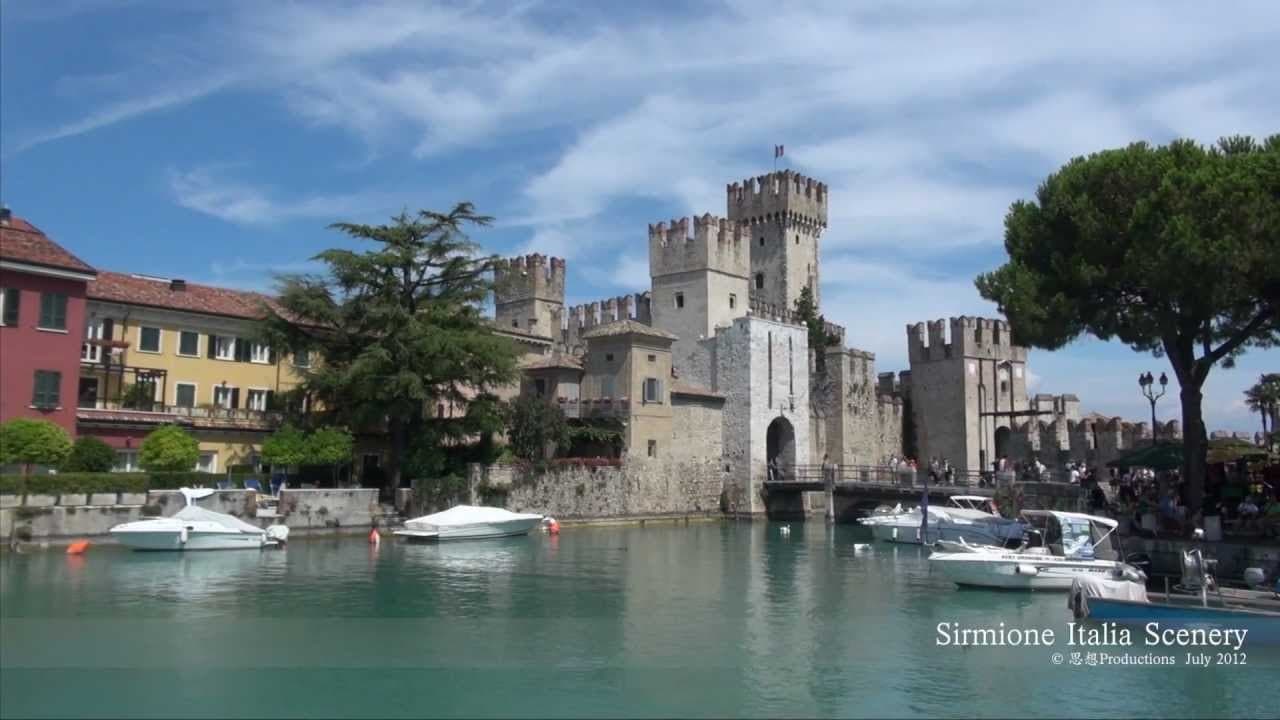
881 476
197 415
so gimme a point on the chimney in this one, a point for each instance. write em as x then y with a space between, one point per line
5 215
178 285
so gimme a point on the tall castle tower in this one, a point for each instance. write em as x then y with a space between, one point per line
785 213
699 283
529 294
958 387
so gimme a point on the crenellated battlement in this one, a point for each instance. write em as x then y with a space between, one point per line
577 319
529 277
714 244
962 336
782 195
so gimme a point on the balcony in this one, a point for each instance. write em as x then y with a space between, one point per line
204 417
580 408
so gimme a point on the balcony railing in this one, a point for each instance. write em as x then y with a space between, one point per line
200 416
578 408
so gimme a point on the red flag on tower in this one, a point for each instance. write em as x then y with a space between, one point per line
777 151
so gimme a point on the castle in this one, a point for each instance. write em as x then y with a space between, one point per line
712 365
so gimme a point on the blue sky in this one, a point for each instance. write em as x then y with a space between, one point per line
215 141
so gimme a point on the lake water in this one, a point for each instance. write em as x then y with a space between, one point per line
702 620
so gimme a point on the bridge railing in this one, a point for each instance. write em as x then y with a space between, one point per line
882 475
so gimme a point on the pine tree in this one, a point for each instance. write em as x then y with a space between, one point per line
819 339
399 329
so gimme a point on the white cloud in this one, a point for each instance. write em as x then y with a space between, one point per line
631 273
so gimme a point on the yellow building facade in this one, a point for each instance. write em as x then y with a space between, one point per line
160 351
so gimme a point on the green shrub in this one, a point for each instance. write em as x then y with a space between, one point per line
69 483
169 449
33 442
89 454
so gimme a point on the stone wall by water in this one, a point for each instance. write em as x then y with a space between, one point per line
638 488
55 517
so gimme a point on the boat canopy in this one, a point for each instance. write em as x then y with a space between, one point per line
466 515
1074 535
195 513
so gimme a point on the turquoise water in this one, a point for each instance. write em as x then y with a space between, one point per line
700 620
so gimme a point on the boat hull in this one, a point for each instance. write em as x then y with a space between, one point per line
972 570
910 535
171 541
477 531
1263 627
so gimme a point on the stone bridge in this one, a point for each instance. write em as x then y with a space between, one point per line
858 489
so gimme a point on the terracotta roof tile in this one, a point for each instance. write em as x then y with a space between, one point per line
20 241
555 360
627 327
134 290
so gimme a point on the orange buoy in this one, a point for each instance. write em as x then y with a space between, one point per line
374 537
78 547
553 527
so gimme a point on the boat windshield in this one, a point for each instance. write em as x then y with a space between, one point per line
1077 540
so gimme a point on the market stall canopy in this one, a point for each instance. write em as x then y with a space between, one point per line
1168 456
1162 456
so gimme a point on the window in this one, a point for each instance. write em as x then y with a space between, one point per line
87 397
259 353
224 348
208 462
540 387
91 352
652 390
608 357
1004 386
9 299
733 301
653 358
45 393
302 358
226 397
797 239
679 300
653 448
256 400
515 323
189 343
184 394
53 311
126 461
759 281
761 241
149 339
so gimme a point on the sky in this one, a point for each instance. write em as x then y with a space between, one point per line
215 141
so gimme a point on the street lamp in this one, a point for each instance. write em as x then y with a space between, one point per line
1148 385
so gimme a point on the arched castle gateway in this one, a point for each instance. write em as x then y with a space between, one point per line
711 369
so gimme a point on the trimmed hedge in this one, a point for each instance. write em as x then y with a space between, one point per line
68 483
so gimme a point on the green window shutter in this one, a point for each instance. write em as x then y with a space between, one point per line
53 311
213 345
45 393
235 398
12 298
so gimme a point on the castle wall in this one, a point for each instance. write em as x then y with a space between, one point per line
697 428
577 319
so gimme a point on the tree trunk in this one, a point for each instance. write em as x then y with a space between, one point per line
396 459
1195 445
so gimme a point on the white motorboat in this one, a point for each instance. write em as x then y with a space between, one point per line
197 528
1059 547
469 522
968 518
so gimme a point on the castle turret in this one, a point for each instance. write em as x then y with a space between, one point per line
529 294
698 269
785 213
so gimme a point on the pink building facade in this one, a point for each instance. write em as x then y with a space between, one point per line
42 324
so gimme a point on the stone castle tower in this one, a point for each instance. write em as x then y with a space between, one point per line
529 294
699 282
785 213
956 381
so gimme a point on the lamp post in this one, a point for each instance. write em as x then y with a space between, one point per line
1148 385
